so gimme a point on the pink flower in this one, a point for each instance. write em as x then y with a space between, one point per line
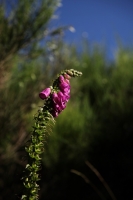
63 80
61 98
64 85
45 93
59 102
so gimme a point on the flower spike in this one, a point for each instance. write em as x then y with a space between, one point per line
56 98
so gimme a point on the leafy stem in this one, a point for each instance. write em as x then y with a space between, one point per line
56 98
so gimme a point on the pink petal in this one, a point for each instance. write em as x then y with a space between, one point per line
45 93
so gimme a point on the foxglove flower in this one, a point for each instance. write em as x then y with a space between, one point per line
59 102
45 93
56 97
61 98
64 85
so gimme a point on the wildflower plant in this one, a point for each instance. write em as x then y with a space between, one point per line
55 99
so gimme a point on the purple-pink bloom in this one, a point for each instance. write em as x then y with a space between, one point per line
61 98
64 85
66 94
59 102
45 93
63 80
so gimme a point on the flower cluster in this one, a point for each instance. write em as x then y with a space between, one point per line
56 98
60 96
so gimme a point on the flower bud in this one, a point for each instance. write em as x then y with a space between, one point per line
45 93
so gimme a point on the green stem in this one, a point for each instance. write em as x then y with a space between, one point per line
35 145
34 150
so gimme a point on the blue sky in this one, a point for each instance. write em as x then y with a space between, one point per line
101 21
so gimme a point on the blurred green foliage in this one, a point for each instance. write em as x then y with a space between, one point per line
97 124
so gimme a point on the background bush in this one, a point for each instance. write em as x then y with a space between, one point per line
96 126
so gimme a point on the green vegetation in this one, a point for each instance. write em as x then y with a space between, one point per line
96 126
